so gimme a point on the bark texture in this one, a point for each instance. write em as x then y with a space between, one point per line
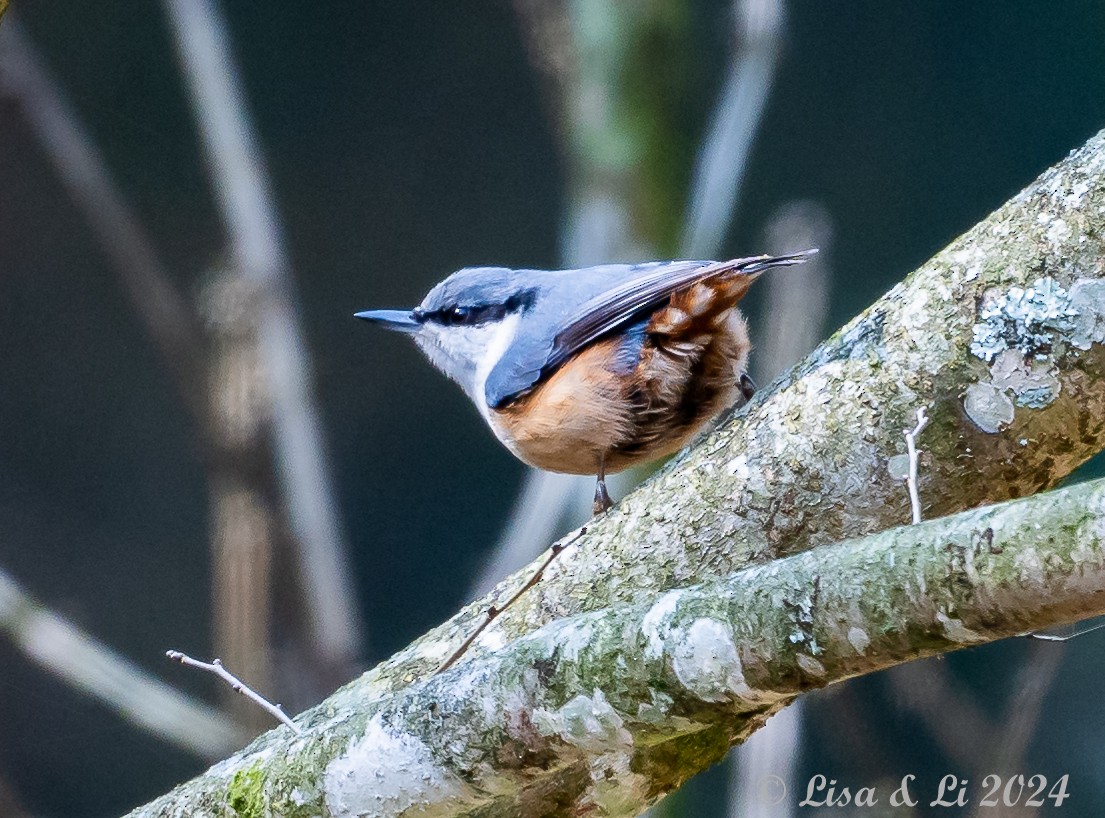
604 712
1000 336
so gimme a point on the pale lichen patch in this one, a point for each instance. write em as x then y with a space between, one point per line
1057 234
858 639
587 722
655 624
956 631
1033 383
898 466
492 639
1028 320
738 467
971 258
1020 332
1087 300
656 709
567 637
811 666
705 660
615 790
1031 572
433 650
385 773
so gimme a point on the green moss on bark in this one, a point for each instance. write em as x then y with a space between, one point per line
246 793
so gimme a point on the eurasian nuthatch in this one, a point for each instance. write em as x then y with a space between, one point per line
592 371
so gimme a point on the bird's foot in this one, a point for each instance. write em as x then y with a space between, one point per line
748 388
602 503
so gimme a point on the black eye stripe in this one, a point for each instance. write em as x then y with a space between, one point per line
463 315
460 315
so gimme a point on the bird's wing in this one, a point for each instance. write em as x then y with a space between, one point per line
638 290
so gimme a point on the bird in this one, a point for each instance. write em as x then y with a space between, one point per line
592 370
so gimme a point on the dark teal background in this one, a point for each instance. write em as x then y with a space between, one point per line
406 140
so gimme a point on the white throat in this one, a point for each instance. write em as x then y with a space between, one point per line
497 346
468 354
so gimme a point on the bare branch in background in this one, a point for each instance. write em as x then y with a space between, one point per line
547 33
1030 687
973 742
578 62
930 691
796 304
242 526
95 669
765 766
237 685
164 313
716 187
244 194
539 513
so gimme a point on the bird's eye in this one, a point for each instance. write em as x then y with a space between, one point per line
460 315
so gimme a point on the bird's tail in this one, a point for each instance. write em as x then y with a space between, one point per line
757 264
700 307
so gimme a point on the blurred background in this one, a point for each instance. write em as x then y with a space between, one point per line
201 449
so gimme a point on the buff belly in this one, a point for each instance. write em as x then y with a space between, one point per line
592 411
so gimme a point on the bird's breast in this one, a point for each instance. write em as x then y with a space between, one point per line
625 399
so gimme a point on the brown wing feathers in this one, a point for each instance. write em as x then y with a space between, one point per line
697 309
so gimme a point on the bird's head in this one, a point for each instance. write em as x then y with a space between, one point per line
465 323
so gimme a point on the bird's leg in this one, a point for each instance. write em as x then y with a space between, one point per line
602 503
748 387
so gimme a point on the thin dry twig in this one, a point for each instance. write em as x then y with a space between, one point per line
494 611
1051 637
911 448
216 667
548 506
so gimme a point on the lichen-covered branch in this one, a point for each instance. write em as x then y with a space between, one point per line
604 712
1000 336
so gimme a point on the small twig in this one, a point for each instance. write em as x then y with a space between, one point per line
236 684
494 611
1049 637
911 448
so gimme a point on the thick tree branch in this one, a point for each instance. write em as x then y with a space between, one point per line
613 708
1000 335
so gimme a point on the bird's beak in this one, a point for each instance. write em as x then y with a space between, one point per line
398 320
